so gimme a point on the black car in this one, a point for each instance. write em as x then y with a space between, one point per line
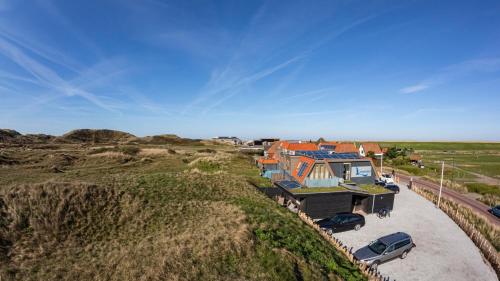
392 187
495 211
379 182
342 222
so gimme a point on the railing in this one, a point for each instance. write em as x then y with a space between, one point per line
321 182
372 275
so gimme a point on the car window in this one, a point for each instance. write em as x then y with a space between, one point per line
377 246
353 219
337 219
390 249
402 243
346 219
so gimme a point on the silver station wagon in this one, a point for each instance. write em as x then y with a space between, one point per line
385 248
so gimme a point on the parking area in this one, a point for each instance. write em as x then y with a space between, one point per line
443 252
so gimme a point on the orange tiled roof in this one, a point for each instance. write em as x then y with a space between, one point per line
346 148
329 143
415 157
371 146
302 146
263 160
302 161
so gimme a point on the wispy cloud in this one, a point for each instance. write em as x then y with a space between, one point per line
225 89
433 110
453 72
255 59
414 89
45 76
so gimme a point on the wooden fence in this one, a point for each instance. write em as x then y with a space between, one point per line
458 213
348 252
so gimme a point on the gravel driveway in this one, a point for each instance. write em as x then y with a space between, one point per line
443 252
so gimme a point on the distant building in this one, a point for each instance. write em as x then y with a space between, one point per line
367 147
266 142
346 148
228 140
416 159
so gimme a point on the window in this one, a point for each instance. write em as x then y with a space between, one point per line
353 219
390 249
377 246
402 243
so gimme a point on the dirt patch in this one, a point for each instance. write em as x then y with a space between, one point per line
110 154
152 152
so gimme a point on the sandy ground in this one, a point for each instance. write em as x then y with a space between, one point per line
443 252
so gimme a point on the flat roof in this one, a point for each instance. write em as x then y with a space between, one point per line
322 154
295 187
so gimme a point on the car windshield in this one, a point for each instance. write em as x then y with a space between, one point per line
337 219
377 246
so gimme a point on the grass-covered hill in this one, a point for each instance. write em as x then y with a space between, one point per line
150 212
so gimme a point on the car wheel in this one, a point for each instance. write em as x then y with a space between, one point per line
374 266
404 254
357 227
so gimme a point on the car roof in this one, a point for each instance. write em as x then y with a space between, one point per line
347 214
395 237
343 214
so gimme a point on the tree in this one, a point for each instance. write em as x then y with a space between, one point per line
371 154
392 152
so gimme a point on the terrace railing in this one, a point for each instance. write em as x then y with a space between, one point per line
321 182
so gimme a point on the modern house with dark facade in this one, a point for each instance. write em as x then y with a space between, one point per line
318 202
325 179
325 183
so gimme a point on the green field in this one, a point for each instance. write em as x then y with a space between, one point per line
465 164
150 212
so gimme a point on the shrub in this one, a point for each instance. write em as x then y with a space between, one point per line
206 150
400 161
100 150
130 150
483 189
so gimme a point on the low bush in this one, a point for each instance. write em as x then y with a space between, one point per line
206 150
483 189
400 161
130 150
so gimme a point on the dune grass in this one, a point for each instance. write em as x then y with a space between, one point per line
103 218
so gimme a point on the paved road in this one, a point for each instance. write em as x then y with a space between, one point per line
475 205
443 253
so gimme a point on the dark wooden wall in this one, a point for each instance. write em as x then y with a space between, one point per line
326 205
381 201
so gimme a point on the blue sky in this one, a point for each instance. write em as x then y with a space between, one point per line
412 70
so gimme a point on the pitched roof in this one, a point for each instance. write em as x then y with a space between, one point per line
309 162
371 146
346 148
267 161
329 143
271 152
415 157
302 146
